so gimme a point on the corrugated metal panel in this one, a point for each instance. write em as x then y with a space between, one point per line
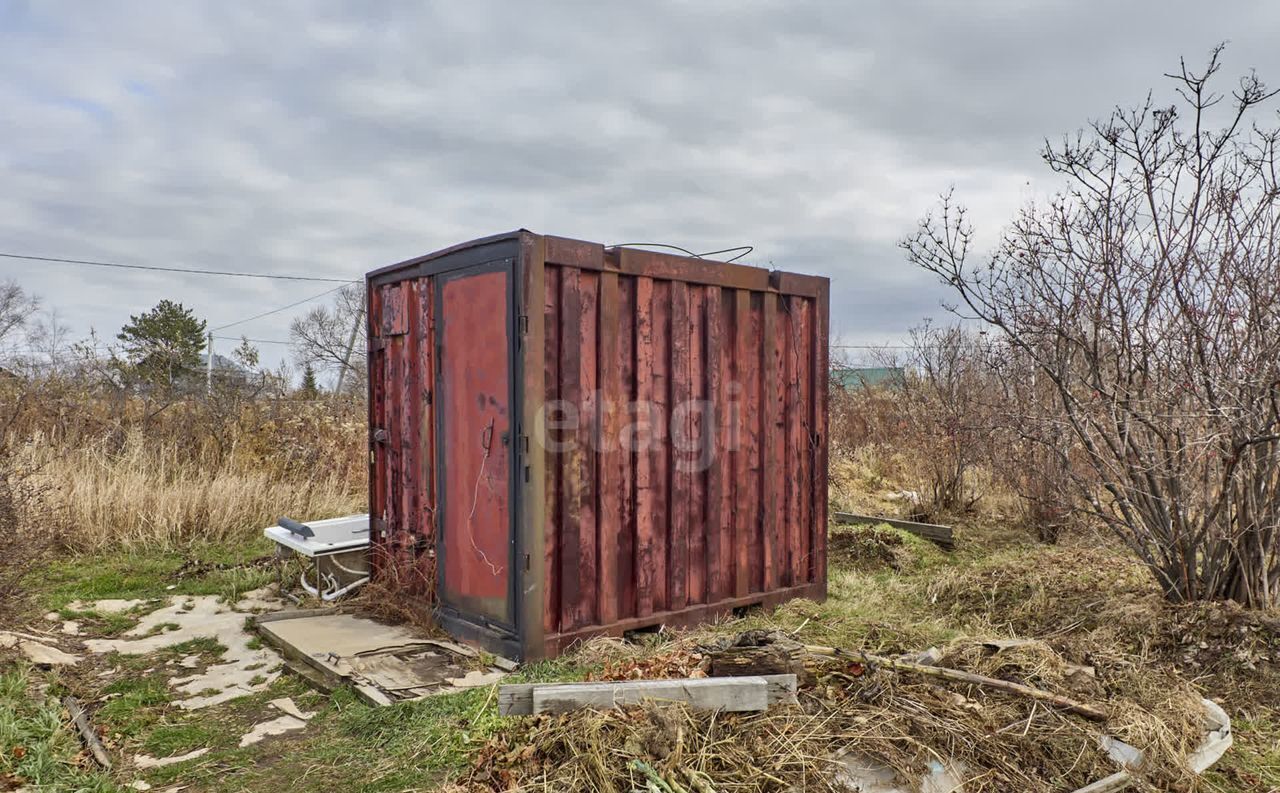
667 422
718 500
402 469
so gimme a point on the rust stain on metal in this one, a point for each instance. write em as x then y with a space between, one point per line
675 461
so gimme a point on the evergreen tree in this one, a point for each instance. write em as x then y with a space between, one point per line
309 389
162 347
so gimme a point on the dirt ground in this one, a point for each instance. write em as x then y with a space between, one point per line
889 593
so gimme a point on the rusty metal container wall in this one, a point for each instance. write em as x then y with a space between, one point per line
684 438
667 456
401 460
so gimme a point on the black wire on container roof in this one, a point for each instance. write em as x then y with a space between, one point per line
746 249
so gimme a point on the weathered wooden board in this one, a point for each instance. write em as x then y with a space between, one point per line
723 693
942 535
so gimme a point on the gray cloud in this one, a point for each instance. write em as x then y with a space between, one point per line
332 138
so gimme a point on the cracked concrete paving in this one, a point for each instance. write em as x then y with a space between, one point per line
242 669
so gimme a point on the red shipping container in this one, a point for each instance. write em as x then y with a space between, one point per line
568 440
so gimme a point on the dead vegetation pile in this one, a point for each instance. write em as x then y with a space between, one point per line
867 548
1093 605
902 720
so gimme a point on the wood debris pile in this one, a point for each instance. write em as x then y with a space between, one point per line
1010 715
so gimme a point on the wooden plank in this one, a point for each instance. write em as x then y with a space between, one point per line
569 458
518 699
90 737
641 447
770 494
681 480
608 469
711 453
941 535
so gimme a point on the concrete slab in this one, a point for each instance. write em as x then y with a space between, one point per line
385 663
342 635
147 762
107 606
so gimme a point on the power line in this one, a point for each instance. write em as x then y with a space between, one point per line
255 341
283 308
746 249
189 271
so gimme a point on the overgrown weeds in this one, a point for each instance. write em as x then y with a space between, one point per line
997 742
38 750
127 471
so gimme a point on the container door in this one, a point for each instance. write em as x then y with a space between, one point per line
474 329
399 499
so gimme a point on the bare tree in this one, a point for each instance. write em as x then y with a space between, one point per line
1031 451
1148 295
48 337
944 411
16 308
323 338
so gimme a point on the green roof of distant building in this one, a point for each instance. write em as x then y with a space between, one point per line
864 377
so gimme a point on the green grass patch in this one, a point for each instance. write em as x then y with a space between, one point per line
202 645
166 740
136 704
37 750
1253 762
199 570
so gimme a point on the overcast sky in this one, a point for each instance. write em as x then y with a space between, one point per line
332 138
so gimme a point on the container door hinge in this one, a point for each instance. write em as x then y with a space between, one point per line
377 343
380 526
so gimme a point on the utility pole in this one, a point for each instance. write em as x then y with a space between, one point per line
208 366
351 343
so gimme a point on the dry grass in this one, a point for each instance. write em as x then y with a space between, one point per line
126 472
1005 743
152 495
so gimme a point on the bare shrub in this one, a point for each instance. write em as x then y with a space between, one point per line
928 428
946 417
1147 295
